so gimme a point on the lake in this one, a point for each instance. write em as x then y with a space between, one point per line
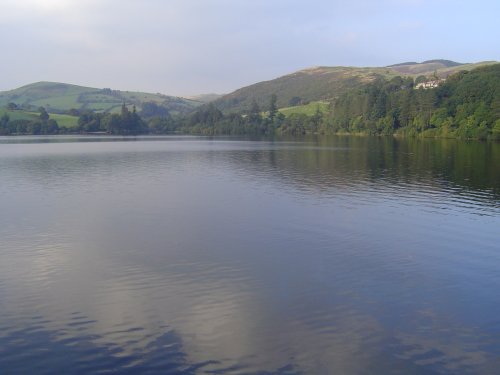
192 255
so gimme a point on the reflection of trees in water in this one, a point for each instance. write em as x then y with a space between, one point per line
325 162
318 163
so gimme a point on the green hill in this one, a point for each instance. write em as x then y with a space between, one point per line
62 97
205 98
325 83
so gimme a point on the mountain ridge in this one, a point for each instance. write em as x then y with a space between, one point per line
324 83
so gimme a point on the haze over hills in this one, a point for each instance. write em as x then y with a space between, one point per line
325 83
62 97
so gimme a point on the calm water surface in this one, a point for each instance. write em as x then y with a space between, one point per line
188 255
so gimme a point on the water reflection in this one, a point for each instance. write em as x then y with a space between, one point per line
190 255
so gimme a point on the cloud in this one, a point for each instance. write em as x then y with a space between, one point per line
187 47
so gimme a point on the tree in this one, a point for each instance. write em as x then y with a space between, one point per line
44 116
272 107
296 100
112 123
4 125
254 115
151 109
316 118
52 127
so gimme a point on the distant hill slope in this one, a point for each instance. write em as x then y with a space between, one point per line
205 98
428 65
61 97
326 83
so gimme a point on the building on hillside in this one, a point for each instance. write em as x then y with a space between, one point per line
430 84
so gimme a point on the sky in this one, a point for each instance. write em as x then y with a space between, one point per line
188 47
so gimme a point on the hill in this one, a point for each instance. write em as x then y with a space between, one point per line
466 105
426 66
62 97
205 98
325 83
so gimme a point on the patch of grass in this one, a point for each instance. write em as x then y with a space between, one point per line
65 120
19 115
62 120
307 109
58 102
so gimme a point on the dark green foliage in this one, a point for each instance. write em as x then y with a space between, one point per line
151 110
90 122
35 127
296 100
272 107
44 116
467 105
126 123
74 112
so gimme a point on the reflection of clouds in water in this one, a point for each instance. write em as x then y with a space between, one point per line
218 316
157 265
29 270
442 344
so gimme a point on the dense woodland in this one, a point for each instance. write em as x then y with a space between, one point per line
126 123
466 105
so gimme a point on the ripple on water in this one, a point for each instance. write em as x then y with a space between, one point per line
197 256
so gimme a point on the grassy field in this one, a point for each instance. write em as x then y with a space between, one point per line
62 120
65 120
18 115
307 109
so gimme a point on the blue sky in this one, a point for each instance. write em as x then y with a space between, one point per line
184 47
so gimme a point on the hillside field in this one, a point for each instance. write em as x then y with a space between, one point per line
307 109
61 97
62 120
